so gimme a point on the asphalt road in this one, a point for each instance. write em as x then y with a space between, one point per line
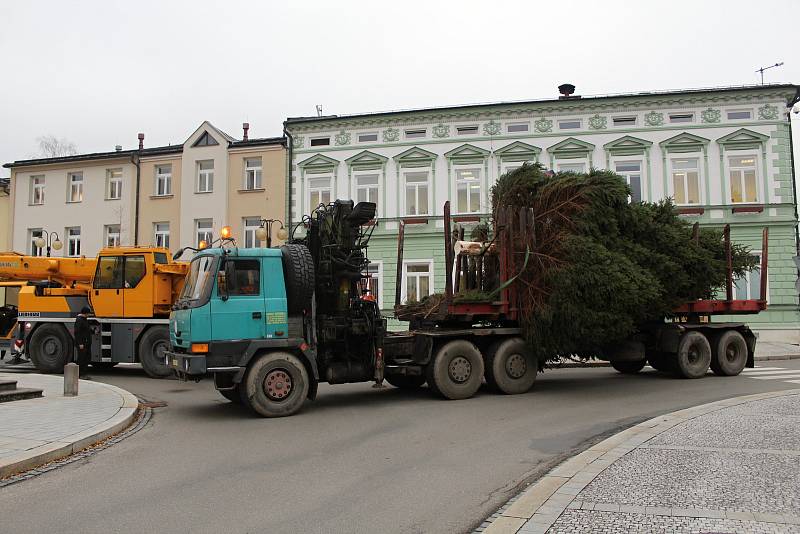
356 460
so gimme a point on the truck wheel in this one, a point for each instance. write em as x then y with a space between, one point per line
298 271
406 381
50 348
628 368
510 366
694 355
152 346
729 354
456 370
276 385
233 395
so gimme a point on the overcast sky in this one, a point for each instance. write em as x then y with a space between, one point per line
98 72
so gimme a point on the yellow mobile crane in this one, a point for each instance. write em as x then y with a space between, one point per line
129 289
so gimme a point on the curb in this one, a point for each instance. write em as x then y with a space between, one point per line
542 503
43 454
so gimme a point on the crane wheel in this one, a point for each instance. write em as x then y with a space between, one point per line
627 367
50 348
152 346
456 371
511 367
406 381
728 354
298 272
694 355
275 385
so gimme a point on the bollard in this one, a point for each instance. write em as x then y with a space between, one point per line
71 373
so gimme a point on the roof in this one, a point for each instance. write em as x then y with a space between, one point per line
570 100
260 141
5 183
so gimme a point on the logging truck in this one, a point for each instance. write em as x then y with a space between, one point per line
270 324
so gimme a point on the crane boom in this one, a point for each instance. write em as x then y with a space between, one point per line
65 271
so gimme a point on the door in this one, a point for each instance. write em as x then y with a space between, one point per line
137 287
237 310
276 319
106 296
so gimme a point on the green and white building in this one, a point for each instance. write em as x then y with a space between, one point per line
723 154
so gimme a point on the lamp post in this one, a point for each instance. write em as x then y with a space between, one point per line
56 243
264 231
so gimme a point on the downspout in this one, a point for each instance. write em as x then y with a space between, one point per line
289 145
135 160
791 104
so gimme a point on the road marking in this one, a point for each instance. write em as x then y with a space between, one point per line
781 377
794 381
784 372
756 369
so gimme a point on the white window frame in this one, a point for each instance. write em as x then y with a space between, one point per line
729 111
627 174
33 234
571 162
205 177
730 168
74 186
518 132
161 236
207 232
479 180
404 281
163 178
562 121
509 166
113 184
379 276
110 237
72 247
377 187
253 174
700 177
318 189
748 281
360 134
428 187
249 232
37 189
320 138
415 133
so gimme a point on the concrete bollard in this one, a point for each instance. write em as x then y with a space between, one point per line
71 373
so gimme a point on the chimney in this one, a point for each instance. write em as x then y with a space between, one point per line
118 148
141 141
566 90
245 128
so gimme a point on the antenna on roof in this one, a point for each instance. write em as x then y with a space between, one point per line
762 69
319 110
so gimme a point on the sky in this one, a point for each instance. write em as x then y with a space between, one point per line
99 72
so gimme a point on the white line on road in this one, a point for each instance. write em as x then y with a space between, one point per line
780 377
784 372
757 369
794 381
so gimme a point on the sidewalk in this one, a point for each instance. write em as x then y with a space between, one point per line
728 466
37 431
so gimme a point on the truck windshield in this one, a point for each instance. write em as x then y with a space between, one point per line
198 284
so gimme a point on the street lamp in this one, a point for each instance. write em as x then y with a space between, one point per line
264 231
40 242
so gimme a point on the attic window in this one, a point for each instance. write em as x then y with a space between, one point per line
206 140
321 141
516 127
569 124
681 117
467 130
369 137
737 114
415 134
624 121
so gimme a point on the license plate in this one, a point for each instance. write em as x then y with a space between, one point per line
174 362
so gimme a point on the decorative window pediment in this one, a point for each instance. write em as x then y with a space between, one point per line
205 140
684 142
318 164
518 151
628 146
467 154
571 148
366 160
415 157
743 139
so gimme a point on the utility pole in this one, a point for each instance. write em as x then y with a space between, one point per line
762 69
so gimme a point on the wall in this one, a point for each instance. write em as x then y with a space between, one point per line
153 208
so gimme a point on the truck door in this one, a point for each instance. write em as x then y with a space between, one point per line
276 320
237 310
137 287
106 296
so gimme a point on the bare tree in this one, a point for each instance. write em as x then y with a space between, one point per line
52 147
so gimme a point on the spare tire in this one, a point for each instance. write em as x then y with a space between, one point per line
298 273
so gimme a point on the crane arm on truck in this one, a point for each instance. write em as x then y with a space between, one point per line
65 271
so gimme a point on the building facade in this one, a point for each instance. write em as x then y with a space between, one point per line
169 196
5 233
724 156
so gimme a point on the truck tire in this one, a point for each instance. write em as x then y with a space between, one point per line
298 272
628 368
152 346
729 354
50 348
406 381
275 385
456 370
511 367
694 355
233 395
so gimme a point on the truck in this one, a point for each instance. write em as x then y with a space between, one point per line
270 324
129 289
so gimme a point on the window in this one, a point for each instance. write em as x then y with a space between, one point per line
37 190
468 190
743 179
418 281
513 166
572 167
246 277
163 180
624 121
739 114
416 134
161 233
371 284
250 225
681 117
206 140
113 184
112 235
632 172
75 185
517 127
33 235
367 188
569 124
118 272
73 241
204 229
685 181
416 193
205 176
320 141
370 137
252 174
319 191
748 287
467 130
135 269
